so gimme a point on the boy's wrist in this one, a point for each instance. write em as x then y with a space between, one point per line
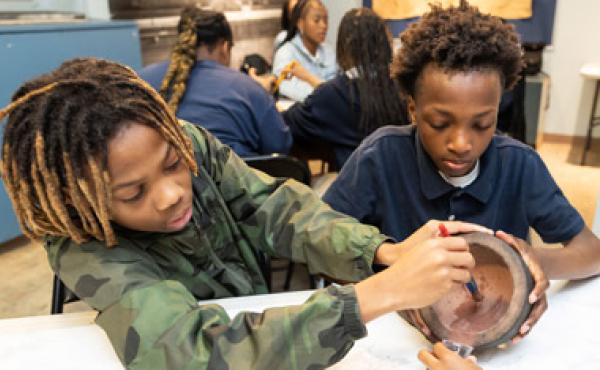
374 298
386 253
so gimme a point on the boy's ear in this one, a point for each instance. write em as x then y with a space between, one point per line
412 109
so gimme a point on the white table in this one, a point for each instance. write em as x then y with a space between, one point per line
567 337
284 104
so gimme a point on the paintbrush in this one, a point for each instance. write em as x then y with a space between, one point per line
471 284
283 75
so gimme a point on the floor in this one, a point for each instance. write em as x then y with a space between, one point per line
27 280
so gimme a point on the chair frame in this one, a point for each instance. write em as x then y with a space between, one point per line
594 122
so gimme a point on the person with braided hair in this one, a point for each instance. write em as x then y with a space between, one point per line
453 65
142 215
199 86
343 111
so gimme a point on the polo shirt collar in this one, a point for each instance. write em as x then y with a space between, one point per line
317 58
207 63
483 187
433 185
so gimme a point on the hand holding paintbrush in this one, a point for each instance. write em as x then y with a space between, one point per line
472 284
283 75
295 69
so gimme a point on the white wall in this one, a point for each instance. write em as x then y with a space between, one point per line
336 10
95 9
576 41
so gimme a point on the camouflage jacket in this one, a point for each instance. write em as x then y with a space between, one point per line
147 288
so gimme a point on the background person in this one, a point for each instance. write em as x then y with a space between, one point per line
305 44
200 87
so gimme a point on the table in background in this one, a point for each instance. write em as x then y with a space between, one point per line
591 71
596 224
565 338
283 104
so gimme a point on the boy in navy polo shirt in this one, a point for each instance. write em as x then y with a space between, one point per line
453 67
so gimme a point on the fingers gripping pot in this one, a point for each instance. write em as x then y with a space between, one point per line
504 282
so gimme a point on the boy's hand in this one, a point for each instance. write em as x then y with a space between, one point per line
421 275
538 294
441 358
388 253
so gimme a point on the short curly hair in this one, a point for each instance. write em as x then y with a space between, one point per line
458 39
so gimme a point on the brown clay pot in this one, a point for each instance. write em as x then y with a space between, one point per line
505 283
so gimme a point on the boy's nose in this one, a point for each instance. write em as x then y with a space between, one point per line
168 195
460 143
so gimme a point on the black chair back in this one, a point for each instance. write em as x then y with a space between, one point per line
281 165
60 295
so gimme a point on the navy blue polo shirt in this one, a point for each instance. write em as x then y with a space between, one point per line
229 104
390 182
330 115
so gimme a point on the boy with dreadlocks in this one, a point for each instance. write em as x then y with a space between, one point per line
142 216
346 109
199 86
453 66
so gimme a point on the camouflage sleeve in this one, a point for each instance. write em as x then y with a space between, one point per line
287 219
155 323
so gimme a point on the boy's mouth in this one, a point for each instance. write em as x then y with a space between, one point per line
181 220
457 168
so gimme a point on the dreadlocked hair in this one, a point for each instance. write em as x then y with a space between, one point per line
54 152
196 27
363 43
458 39
298 12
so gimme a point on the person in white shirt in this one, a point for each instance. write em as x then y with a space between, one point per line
305 44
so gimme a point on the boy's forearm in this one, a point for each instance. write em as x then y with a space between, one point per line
372 301
579 259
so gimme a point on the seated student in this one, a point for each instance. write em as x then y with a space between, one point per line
453 65
343 111
305 44
143 216
200 87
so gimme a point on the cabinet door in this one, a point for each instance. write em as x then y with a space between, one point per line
30 50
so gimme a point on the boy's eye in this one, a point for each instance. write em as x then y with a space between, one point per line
134 198
438 125
482 126
173 167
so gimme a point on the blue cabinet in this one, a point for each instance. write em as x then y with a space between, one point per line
30 50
